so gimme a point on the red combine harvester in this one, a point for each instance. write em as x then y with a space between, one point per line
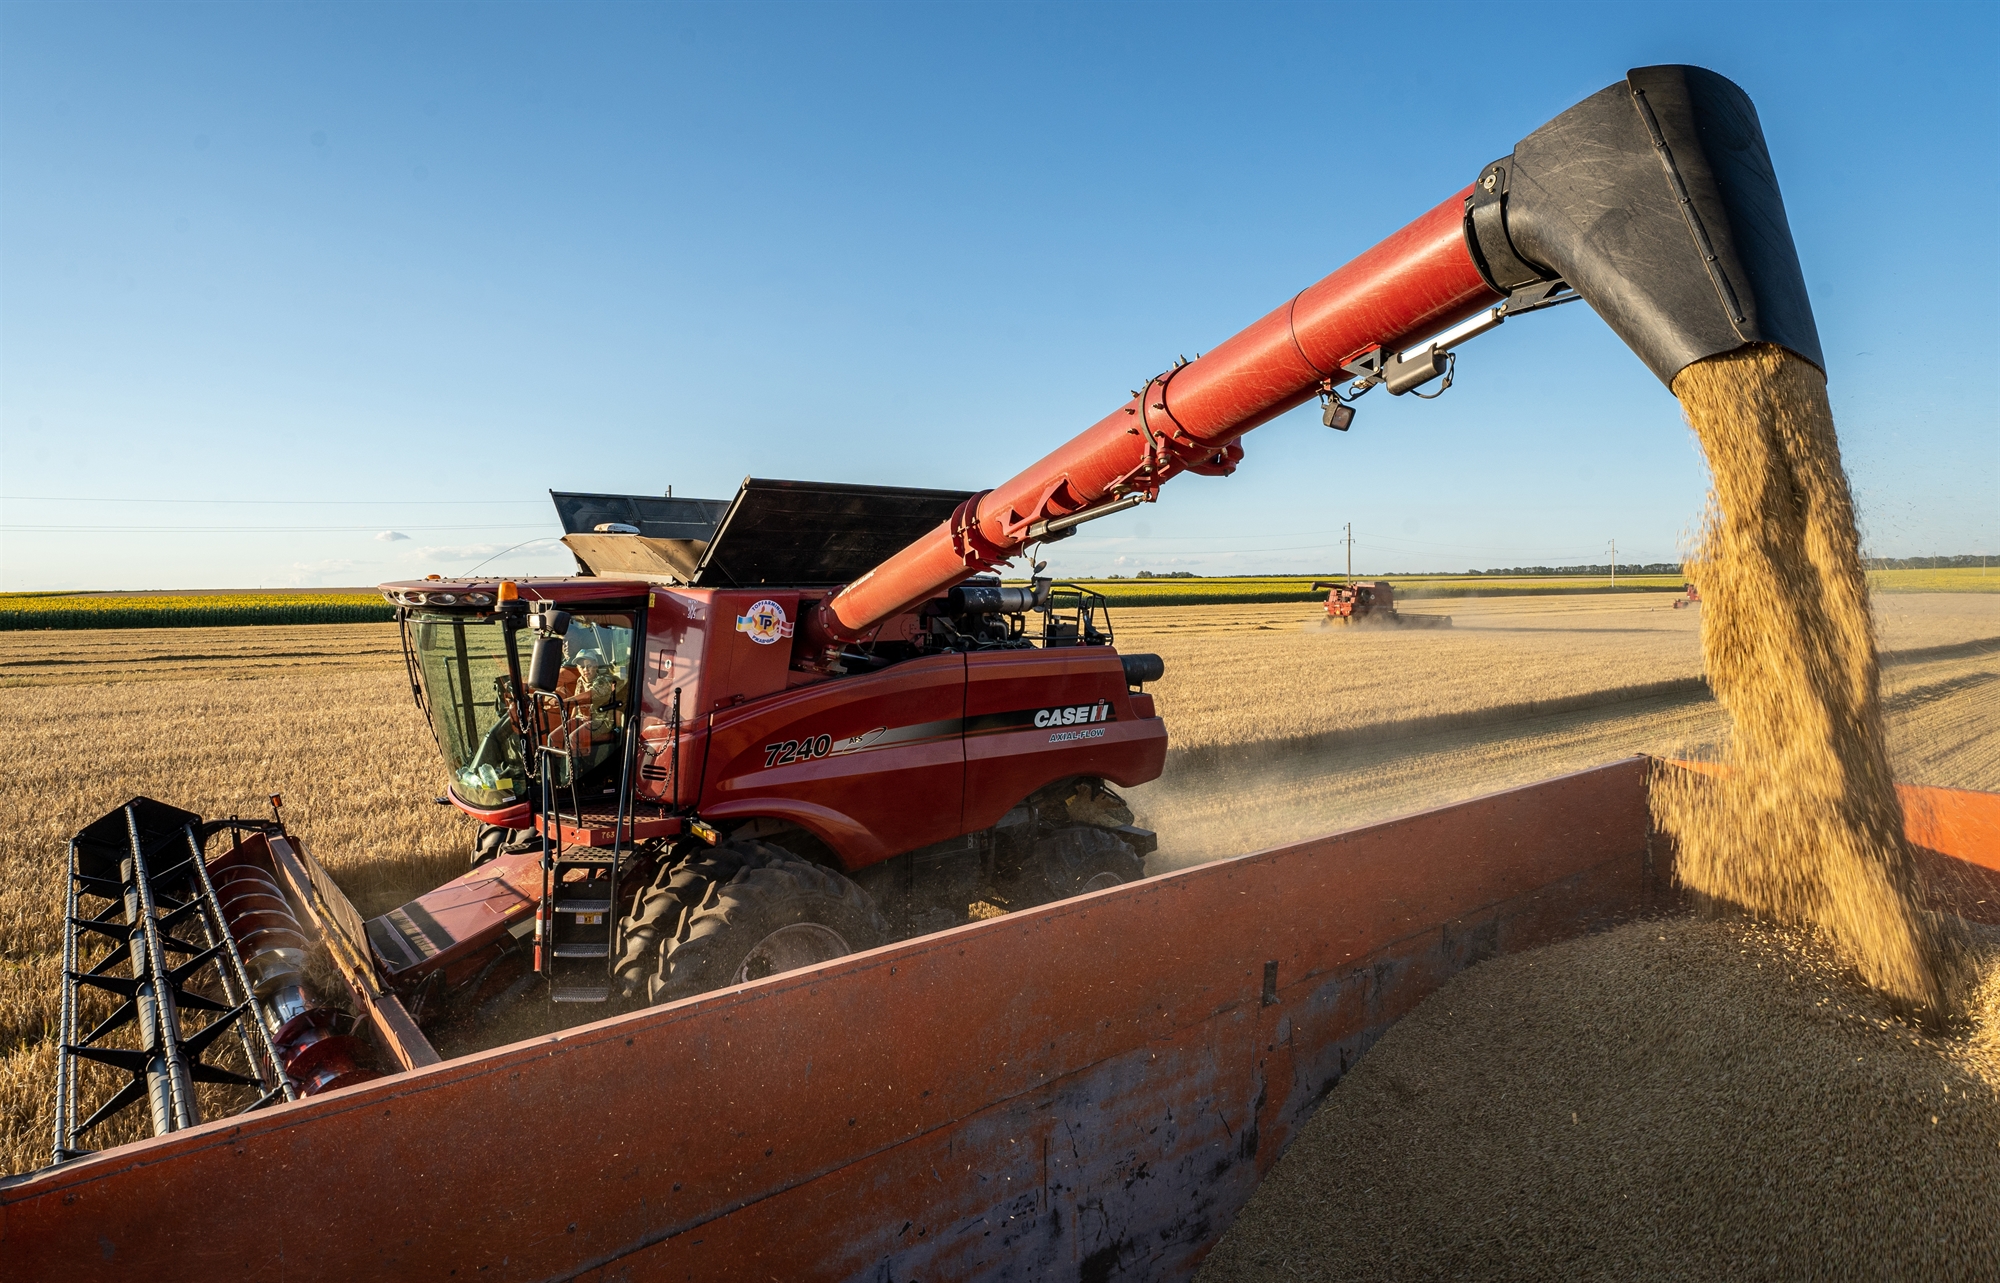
769 733
1371 603
688 772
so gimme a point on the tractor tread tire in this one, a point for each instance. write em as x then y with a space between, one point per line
656 915
662 910
760 888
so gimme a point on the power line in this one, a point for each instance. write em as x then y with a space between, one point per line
287 503
259 530
1376 542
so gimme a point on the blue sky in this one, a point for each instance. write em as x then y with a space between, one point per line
276 281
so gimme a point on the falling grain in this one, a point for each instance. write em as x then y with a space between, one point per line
1805 826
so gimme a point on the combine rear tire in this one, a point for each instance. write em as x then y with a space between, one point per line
1083 858
773 913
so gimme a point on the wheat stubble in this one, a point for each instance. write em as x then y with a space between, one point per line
1806 826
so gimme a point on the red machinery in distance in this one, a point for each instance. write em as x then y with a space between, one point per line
1371 603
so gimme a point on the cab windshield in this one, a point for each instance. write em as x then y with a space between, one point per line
462 663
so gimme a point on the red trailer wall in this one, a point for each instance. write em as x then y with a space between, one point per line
1094 1083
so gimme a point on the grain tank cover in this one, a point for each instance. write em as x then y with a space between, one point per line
810 534
656 517
657 536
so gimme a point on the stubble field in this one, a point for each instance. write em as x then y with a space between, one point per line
1281 730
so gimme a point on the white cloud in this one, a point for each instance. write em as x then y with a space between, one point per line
451 552
391 536
336 571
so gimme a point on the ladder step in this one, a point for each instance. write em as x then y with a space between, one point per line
583 906
580 950
580 993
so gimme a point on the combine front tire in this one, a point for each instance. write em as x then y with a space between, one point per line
774 912
495 839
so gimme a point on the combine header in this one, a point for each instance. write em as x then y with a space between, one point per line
809 722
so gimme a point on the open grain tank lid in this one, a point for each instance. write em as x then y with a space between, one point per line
650 535
812 534
798 534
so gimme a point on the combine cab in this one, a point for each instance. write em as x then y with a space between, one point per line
1371 604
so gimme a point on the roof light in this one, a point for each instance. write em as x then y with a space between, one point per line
508 591
433 576
478 599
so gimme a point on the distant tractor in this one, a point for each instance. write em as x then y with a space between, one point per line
1371 603
1693 598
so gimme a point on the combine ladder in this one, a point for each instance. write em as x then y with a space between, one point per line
577 928
577 925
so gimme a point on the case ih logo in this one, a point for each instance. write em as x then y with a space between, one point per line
765 622
1074 715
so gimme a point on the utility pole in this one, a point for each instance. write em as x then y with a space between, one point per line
1614 563
1349 541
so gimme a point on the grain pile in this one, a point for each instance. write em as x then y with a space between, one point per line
1687 1099
1806 826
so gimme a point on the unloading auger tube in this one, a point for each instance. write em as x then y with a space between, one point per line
1653 200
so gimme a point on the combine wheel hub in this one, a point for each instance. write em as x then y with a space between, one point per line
801 944
1083 858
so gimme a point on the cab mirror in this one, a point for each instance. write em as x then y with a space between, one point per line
545 668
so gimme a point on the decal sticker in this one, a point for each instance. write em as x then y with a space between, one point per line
855 743
807 747
765 622
1074 714
789 751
